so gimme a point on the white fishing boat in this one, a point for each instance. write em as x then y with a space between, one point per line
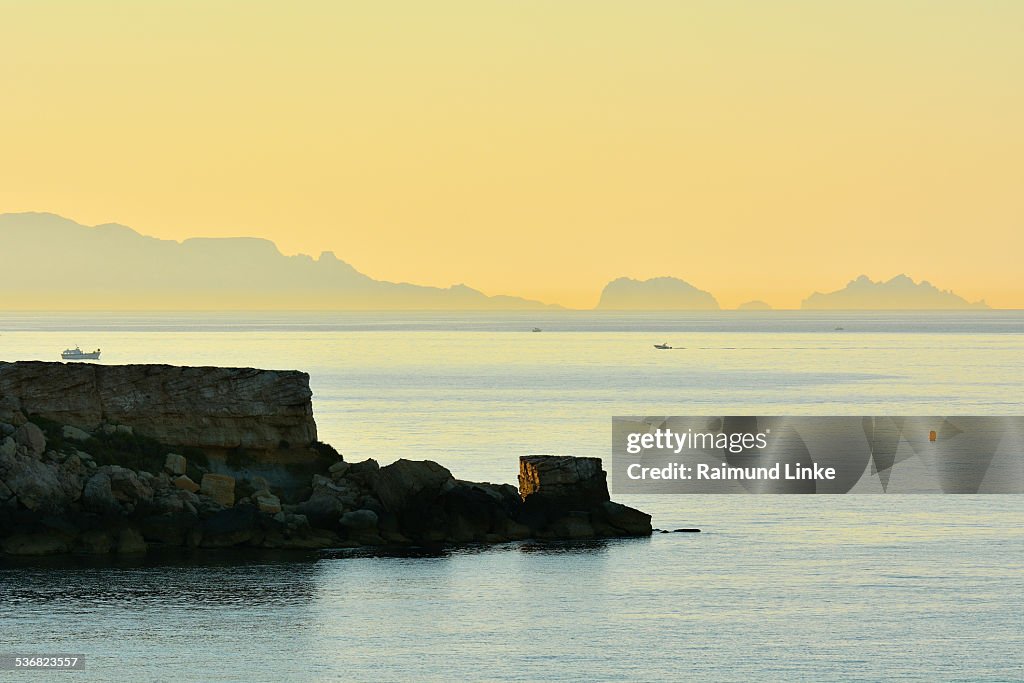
78 354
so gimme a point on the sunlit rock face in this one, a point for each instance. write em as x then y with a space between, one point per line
569 480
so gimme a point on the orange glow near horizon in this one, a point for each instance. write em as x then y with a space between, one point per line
755 150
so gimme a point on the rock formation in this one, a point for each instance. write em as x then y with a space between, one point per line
207 408
245 422
106 459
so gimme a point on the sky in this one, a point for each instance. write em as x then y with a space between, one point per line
756 150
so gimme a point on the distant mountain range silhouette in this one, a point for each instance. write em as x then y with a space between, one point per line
900 293
53 263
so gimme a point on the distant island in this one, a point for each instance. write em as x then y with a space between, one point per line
656 294
53 262
899 293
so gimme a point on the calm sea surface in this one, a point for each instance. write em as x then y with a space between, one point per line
776 588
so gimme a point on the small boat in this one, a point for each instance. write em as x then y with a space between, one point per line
536 329
662 346
838 328
78 354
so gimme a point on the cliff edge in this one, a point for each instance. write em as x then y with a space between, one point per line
210 408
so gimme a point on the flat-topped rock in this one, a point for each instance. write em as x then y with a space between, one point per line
568 480
202 407
567 497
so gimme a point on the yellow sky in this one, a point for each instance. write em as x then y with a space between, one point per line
755 149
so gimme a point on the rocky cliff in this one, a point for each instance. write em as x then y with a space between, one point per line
262 411
245 422
107 459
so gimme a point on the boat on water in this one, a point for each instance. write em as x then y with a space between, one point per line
78 354
662 346
536 329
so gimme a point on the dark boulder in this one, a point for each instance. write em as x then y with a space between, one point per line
359 521
328 501
615 519
362 473
410 484
478 512
239 525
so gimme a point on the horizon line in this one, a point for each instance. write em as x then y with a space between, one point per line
527 312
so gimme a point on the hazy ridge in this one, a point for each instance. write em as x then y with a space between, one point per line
54 263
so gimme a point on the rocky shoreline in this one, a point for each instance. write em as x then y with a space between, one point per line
101 460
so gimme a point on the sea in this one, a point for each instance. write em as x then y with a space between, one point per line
787 588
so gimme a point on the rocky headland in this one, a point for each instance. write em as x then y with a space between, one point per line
99 459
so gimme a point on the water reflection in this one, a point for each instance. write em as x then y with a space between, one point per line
202 581
249 578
